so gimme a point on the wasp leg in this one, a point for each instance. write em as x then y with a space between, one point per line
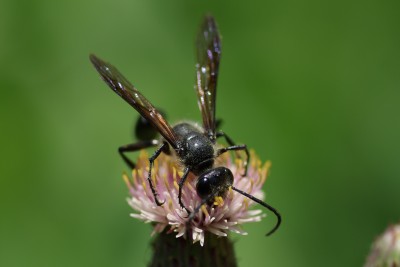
135 147
151 161
227 138
181 183
233 146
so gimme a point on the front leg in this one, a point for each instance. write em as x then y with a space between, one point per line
181 183
162 148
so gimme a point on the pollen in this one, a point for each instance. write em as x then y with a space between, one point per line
204 210
219 201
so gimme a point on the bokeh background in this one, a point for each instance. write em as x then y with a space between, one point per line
312 86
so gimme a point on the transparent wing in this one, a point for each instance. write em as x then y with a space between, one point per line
208 57
120 85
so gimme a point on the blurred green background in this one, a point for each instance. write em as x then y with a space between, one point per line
312 86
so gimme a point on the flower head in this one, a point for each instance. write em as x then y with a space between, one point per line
224 215
386 249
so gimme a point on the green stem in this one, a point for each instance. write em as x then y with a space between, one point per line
169 251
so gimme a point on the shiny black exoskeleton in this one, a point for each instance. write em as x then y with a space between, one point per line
194 146
144 130
194 149
214 181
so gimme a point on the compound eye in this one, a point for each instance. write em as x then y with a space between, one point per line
204 186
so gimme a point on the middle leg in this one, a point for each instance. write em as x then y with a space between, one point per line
233 146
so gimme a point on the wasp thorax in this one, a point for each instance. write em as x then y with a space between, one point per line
214 182
194 148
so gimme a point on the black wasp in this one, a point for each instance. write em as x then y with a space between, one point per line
193 145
